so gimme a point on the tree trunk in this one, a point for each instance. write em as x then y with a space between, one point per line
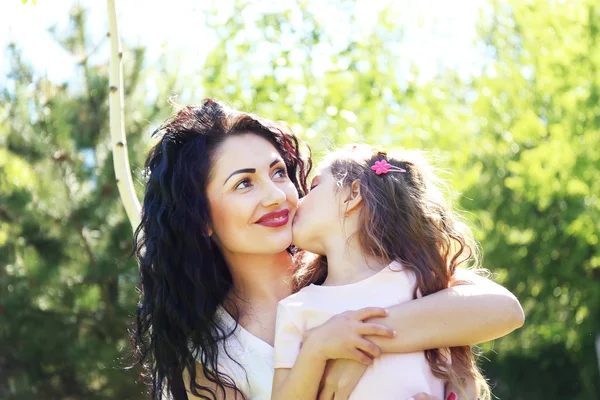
117 123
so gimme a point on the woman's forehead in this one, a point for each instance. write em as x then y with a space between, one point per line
244 151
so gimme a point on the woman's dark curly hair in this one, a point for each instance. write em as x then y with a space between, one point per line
183 275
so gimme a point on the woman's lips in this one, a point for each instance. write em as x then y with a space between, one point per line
275 219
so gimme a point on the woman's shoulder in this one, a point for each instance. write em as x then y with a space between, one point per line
223 318
230 352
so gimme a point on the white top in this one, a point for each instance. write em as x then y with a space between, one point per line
391 376
255 376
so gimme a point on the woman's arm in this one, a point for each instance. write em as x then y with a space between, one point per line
457 316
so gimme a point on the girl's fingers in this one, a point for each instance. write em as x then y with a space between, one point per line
325 394
361 357
340 396
368 347
369 328
370 312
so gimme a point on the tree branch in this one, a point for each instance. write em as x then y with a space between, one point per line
117 124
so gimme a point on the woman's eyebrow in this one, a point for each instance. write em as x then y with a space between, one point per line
251 170
277 160
240 171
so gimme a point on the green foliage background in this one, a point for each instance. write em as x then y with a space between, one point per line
522 140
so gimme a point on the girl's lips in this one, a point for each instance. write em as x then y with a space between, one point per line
275 219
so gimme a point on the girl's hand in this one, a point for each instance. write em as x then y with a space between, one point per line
340 379
342 336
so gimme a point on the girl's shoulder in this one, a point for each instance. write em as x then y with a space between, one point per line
296 299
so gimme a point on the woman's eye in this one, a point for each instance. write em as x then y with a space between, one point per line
243 184
313 186
280 173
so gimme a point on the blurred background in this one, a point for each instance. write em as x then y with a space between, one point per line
505 94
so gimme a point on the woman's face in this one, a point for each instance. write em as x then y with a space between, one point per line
252 200
320 214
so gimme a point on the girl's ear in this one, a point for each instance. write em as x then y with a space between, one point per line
354 198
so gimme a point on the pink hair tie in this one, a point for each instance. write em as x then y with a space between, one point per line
383 167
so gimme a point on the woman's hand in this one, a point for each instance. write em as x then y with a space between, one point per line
424 396
340 379
342 336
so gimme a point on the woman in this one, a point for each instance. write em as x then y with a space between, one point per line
216 257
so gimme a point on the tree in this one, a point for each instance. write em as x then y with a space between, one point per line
537 131
67 286
520 139
117 123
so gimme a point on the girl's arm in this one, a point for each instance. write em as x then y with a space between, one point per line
302 380
340 379
457 316
340 337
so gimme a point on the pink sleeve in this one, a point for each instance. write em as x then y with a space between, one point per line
288 339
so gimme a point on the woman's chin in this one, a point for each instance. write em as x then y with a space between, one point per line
277 243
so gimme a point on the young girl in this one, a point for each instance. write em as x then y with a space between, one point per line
385 235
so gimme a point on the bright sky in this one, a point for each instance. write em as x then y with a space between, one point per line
438 33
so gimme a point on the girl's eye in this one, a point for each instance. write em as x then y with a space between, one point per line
280 173
243 184
313 186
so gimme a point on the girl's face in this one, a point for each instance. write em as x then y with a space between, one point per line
320 215
252 200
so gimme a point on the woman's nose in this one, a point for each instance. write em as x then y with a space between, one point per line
273 195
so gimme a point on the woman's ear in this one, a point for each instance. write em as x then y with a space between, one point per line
354 198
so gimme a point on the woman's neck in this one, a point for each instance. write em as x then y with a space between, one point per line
260 279
347 263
